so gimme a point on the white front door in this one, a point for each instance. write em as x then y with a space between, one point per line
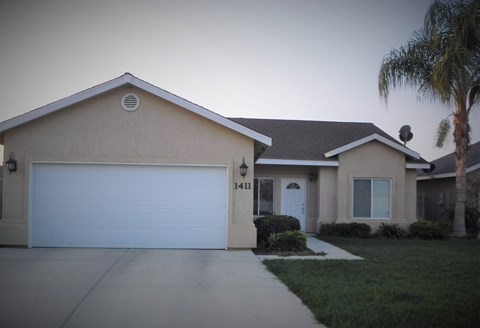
293 199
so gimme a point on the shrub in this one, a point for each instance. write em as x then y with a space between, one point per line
359 230
390 231
472 223
288 241
472 216
274 224
429 230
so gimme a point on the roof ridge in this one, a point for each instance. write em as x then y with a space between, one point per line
297 120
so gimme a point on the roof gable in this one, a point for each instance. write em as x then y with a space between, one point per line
129 79
369 138
315 143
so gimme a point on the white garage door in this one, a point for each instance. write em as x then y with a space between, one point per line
128 206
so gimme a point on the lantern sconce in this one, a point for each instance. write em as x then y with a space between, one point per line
11 163
243 169
313 176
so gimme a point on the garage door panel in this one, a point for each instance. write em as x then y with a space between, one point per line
88 205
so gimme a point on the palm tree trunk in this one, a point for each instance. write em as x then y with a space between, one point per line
461 144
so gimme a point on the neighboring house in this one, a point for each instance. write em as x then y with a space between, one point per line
436 188
127 164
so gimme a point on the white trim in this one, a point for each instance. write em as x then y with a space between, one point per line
127 78
30 206
199 110
473 168
268 161
59 104
390 180
417 165
258 194
437 176
448 175
127 163
227 209
369 138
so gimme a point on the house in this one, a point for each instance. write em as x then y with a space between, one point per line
436 188
325 172
127 164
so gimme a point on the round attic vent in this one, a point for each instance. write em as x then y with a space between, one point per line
130 102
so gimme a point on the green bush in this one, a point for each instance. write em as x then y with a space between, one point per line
288 241
472 216
359 230
274 224
390 231
472 223
429 230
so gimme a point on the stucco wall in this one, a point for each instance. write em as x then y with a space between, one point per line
100 130
327 180
376 160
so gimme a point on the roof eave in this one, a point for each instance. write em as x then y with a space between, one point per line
62 103
448 174
125 79
369 138
294 162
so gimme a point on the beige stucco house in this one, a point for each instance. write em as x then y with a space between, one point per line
127 164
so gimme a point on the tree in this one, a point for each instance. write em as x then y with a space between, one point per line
442 61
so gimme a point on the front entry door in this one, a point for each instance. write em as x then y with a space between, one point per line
293 199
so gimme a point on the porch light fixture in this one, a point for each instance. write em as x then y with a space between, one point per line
313 176
11 163
243 169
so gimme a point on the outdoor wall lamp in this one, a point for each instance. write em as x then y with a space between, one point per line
313 176
243 169
11 163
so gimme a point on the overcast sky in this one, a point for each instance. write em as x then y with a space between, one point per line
296 59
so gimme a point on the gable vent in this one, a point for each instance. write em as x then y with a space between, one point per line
130 102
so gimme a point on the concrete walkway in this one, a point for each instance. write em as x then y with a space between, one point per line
143 288
318 246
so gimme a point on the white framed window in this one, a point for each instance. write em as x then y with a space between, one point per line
372 198
262 196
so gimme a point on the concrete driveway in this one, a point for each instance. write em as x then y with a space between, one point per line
143 288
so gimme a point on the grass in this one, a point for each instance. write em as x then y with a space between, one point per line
401 283
266 251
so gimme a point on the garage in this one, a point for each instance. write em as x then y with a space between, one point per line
128 206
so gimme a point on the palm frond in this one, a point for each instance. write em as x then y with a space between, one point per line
442 59
442 133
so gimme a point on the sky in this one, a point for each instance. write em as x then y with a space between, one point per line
283 59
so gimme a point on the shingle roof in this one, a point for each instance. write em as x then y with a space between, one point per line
446 164
309 140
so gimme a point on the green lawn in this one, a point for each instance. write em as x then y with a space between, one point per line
401 283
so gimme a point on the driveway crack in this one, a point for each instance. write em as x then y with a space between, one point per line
92 288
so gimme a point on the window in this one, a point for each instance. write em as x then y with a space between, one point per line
371 198
262 196
293 185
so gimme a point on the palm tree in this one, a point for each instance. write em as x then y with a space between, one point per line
442 61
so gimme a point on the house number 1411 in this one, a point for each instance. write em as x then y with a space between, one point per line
242 185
